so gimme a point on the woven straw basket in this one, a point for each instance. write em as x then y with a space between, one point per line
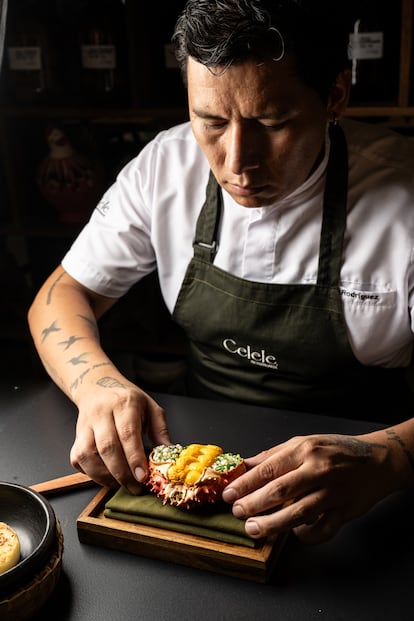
22 604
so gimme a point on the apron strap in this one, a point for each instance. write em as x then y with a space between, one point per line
334 210
205 243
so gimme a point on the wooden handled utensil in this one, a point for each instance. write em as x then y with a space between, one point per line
65 483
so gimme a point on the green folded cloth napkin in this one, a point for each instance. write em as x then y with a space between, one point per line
212 522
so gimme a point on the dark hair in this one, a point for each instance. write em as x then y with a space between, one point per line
217 33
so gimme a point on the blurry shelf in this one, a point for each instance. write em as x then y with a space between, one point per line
381 111
97 115
161 115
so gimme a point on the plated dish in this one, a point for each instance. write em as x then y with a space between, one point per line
193 475
33 519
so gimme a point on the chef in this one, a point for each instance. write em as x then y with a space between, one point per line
283 238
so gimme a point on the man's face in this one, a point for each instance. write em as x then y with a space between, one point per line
261 129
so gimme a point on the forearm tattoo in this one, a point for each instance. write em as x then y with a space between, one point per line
79 379
70 341
80 359
92 324
50 292
393 436
104 382
52 328
110 382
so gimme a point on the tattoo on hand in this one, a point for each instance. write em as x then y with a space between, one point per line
396 438
357 447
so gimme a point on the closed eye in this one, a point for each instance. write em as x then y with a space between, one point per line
272 125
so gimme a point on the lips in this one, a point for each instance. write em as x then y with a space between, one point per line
245 190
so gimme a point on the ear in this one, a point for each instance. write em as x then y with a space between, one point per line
339 95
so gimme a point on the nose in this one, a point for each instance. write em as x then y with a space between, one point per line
242 149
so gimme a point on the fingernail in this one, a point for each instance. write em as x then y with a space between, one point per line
140 474
252 528
229 495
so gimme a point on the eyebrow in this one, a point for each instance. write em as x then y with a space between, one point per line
259 117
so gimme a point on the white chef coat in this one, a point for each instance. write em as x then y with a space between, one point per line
147 220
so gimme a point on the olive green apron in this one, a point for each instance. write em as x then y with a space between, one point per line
281 345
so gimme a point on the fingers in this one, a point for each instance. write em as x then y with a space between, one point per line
130 425
282 491
109 445
123 452
271 482
156 426
305 517
277 498
267 514
101 455
310 485
324 527
263 455
85 457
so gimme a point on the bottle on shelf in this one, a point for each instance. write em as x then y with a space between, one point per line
31 56
374 47
103 57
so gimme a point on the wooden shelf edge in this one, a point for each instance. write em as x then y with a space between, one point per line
381 111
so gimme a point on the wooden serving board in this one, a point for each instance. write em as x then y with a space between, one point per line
254 564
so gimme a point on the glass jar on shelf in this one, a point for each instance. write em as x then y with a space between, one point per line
374 53
103 54
32 58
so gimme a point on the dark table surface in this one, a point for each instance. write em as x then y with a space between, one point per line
365 573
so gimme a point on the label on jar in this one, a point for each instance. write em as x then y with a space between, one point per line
365 45
98 56
25 58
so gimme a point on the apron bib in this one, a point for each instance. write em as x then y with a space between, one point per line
281 345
